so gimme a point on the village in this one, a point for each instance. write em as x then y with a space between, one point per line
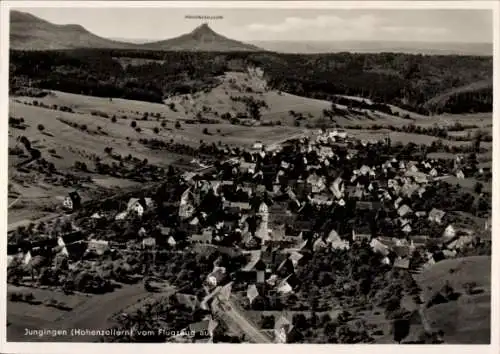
320 225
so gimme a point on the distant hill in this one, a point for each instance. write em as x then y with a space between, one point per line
28 32
202 38
427 48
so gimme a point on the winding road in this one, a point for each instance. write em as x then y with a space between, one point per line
233 316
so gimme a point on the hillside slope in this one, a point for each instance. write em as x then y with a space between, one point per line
28 32
202 38
477 95
467 319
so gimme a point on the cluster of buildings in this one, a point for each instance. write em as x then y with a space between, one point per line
266 204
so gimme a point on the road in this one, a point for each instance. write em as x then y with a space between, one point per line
233 315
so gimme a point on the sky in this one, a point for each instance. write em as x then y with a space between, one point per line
422 25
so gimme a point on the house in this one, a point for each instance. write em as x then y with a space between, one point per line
365 170
333 236
247 167
487 224
402 263
70 237
460 242
408 189
205 237
121 216
283 287
139 205
421 191
262 231
149 242
295 257
188 176
257 145
449 253
436 215
359 193
27 258
340 245
321 199
252 293
412 166
404 210
317 183
337 188
282 329
255 268
72 202
360 237
186 208
460 174
419 241
449 233
171 241
239 206
217 276
402 251
406 228
98 247
319 244
164 231
420 214
379 247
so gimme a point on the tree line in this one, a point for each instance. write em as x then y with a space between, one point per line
408 81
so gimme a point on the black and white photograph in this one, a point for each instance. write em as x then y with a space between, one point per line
239 173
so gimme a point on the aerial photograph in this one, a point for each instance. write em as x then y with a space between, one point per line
249 175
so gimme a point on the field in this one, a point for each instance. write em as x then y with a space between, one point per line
406 138
88 312
466 320
83 134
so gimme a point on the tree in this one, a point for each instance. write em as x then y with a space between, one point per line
133 124
205 131
41 127
156 130
478 188
393 305
29 297
400 329
113 119
177 125
267 322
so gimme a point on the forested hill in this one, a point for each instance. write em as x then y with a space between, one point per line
425 84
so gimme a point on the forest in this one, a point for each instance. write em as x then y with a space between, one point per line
419 83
